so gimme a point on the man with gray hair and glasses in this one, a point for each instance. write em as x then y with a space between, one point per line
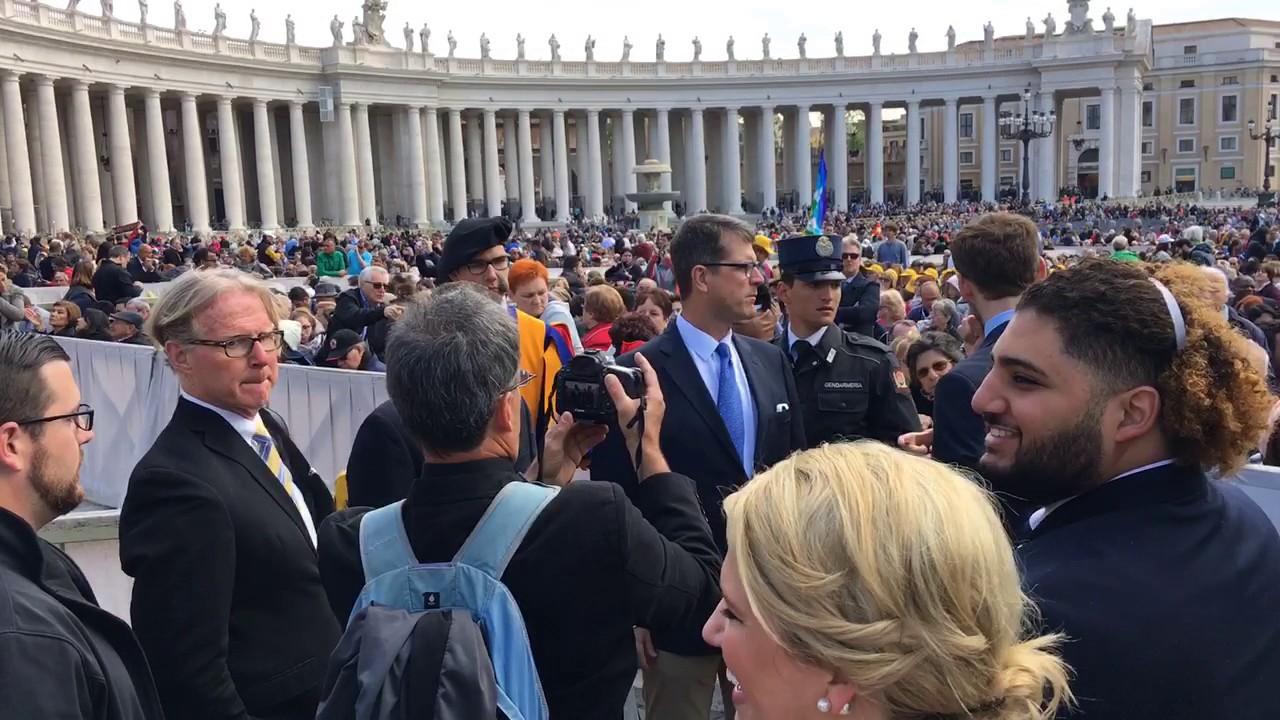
218 525
364 310
592 564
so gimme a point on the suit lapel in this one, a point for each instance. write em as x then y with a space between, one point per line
223 439
686 378
754 368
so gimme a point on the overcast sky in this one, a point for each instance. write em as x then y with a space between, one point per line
677 20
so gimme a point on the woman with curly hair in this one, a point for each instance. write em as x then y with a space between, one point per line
866 582
1117 392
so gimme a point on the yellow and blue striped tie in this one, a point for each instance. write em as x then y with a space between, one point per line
267 451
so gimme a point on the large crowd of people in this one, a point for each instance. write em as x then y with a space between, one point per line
942 461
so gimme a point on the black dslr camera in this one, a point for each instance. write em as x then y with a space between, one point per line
579 388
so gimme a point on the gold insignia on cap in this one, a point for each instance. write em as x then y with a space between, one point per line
823 247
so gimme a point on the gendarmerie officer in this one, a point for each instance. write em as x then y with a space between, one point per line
850 386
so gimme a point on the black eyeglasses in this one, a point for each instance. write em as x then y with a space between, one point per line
239 347
743 267
479 267
83 417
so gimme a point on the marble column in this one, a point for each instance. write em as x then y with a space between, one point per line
158 160
731 162
875 152
349 183
580 157
417 171
913 153
1129 172
510 158
838 159
492 192
616 163
628 156
663 122
990 146
434 168
1107 145
51 155
301 166
951 151
561 149
193 160
803 155
595 166
696 199
364 157
121 156
229 154
525 141
457 167
475 159
34 152
768 161
262 142
1046 162
86 158
546 159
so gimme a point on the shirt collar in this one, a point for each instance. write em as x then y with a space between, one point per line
239 423
994 323
813 339
1038 516
699 343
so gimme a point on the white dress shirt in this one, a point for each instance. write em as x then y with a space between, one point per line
702 348
813 339
246 429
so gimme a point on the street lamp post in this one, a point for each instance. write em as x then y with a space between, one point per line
1027 126
1268 138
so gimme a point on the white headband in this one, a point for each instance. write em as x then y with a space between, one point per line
1175 314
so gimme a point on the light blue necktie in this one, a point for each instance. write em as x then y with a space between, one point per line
729 403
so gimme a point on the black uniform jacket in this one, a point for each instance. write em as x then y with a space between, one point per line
851 387
592 566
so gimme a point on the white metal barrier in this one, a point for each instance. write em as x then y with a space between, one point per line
49 295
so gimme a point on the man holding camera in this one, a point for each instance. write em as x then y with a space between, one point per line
592 565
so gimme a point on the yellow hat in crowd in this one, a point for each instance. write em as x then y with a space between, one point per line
931 272
764 243
876 269
890 275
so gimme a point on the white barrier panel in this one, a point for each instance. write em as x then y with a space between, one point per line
133 393
50 295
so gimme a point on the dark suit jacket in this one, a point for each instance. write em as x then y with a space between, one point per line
353 312
113 283
859 303
227 600
696 442
1166 585
592 567
958 431
385 459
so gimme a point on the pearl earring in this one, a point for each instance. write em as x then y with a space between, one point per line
824 705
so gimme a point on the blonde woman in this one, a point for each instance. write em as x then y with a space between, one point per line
867 582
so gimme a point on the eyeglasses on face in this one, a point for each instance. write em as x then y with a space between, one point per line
743 267
939 367
239 347
524 377
851 256
83 417
479 267
378 285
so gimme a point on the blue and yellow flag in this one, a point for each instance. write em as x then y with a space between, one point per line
819 207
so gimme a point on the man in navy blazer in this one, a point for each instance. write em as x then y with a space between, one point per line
859 294
732 411
1165 583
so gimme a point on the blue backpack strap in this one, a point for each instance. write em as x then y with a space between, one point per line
384 545
503 527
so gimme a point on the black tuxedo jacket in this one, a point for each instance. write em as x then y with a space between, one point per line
227 599
694 438
1166 585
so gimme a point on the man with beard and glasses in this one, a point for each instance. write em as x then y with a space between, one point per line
61 656
1112 397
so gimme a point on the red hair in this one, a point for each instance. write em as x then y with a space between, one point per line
525 271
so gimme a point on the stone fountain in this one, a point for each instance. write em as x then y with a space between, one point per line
651 201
